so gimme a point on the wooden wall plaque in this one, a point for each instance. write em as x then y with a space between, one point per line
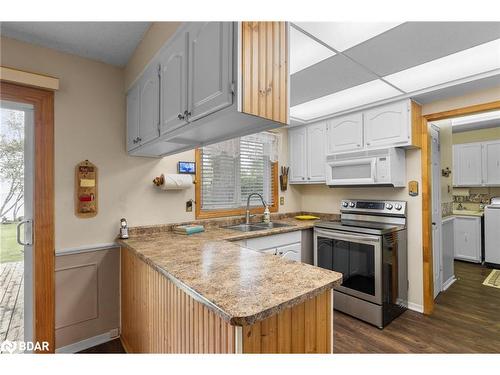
85 189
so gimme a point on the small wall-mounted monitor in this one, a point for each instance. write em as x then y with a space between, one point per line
186 167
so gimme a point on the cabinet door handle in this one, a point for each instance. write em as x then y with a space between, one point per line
187 113
139 139
180 116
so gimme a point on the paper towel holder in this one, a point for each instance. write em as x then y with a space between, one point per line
160 180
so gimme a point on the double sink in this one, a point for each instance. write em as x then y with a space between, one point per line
257 226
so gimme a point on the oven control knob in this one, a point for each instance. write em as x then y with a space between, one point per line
345 204
398 206
388 206
351 204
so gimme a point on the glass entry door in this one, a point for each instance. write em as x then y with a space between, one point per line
356 257
16 215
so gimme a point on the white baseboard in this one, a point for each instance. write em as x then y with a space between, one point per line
448 283
415 307
88 343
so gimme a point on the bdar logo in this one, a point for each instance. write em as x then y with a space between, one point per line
8 346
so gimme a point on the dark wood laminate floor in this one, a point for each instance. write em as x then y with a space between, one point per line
466 319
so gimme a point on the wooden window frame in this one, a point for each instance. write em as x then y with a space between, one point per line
211 214
43 207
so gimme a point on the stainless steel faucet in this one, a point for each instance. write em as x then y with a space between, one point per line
247 215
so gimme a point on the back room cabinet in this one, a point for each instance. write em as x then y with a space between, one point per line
491 163
345 133
467 231
387 125
210 68
467 164
173 62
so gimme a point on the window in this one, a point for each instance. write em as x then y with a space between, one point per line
229 171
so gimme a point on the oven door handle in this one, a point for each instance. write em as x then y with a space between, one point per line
348 237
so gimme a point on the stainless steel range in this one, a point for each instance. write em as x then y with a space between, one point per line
368 246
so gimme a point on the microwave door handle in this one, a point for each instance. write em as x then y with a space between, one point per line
374 168
347 237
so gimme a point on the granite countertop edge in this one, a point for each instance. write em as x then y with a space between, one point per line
236 320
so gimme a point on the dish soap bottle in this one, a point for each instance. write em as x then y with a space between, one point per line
267 215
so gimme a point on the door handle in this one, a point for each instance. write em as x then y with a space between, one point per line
18 233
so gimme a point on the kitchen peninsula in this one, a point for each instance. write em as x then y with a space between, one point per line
205 293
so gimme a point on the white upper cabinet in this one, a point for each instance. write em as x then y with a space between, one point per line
133 118
173 81
307 153
476 164
315 152
388 125
149 104
491 163
345 133
297 151
210 68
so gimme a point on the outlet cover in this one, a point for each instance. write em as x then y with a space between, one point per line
282 201
189 206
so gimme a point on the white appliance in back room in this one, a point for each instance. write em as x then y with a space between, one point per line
492 232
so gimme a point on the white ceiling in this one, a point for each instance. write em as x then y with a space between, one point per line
109 42
408 59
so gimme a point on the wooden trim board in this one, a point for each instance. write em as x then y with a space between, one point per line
43 203
428 274
25 78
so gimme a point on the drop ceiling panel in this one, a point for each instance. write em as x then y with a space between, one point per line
305 51
326 77
459 90
344 35
415 43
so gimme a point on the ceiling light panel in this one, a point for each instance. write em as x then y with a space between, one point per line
356 96
480 117
480 59
305 51
344 35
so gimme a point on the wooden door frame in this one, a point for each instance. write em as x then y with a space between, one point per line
428 274
43 207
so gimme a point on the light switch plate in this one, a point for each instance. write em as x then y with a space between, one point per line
413 188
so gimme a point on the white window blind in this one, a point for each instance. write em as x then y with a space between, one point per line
233 169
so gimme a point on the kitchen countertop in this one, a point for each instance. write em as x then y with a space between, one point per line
243 286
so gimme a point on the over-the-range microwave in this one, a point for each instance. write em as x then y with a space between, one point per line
386 167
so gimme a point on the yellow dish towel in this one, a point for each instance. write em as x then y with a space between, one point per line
306 217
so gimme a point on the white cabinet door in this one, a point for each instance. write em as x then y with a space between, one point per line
315 152
133 117
149 104
468 167
291 251
467 231
345 133
297 151
491 163
173 82
210 68
388 125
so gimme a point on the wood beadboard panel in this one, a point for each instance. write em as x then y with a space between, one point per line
265 70
159 317
305 328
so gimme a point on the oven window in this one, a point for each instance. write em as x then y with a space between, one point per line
355 261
